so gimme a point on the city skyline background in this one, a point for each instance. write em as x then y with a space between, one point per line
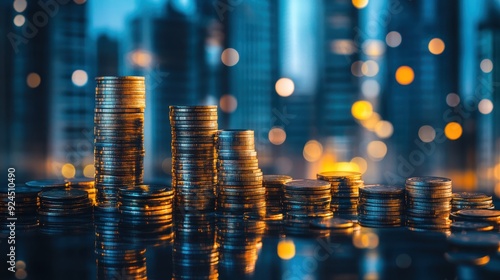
390 88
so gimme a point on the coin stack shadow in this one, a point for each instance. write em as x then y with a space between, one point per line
345 192
23 205
428 203
194 252
471 200
490 217
194 173
118 137
381 206
304 200
239 179
63 210
84 184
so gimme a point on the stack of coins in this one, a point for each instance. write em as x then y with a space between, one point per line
239 187
21 203
428 203
147 207
305 199
464 226
381 206
471 200
345 191
84 184
491 217
118 136
194 252
48 184
194 173
274 185
335 225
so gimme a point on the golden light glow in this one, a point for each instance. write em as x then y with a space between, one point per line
485 106
371 122
361 163
362 110
452 99
312 150
228 103
453 130
342 46
486 65
373 47
20 264
405 75
89 171
286 249
426 133
19 20
393 39
356 68
436 46
79 78
365 240
359 4
384 129
496 171
369 68
284 87
345 166
277 135
497 189
482 260
68 170
33 80
230 57
141 58
376 150
20 5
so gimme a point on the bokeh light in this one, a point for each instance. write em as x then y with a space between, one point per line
371 122
373 47
486 65
343 46
361 163
362 110
21 274
376 150
370 88
20 264
80 2
485 106
356 68
393 39
33 80
312 150
384 129
228 103
141 58
405 75
284 87
359 4
20 5
286 249
426 133
452 99
453 130
365 240
230 57
369 68
89 171
277 135
79 78
68 170
436 46
19 20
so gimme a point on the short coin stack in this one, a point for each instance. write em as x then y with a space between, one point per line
84 184
194 173
23 206
345 191
118 136
428 203
491 217
148 207
471 200
381 206
274 185
305 199
239 187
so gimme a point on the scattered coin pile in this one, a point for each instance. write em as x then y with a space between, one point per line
274 185
345 191
471 200
118 136
381 206
84 184
194 252
428 203
305 199
491 217
194 173
48 184
23 206
239 187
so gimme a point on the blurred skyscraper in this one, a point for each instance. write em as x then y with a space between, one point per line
107 56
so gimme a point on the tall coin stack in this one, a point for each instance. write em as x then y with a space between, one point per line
274 185
471 200
428 203
239 189
194 173
345 191
381 206
118 136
